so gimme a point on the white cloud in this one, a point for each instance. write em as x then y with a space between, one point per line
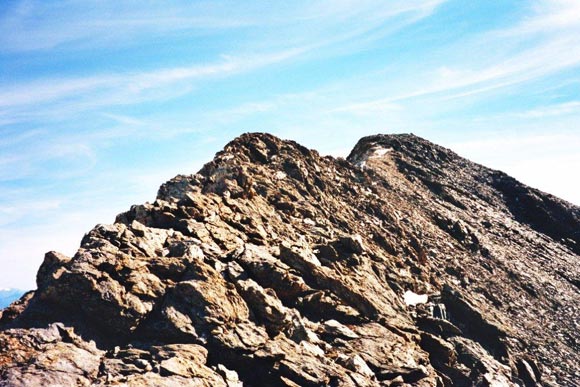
41 154
551 15
129 84
36 25
572 107
333 28
534 63
58 98
493 61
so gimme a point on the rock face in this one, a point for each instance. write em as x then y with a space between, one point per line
403 265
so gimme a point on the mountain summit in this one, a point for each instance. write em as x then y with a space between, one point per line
402 265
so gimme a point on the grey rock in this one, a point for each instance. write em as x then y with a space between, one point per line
276 266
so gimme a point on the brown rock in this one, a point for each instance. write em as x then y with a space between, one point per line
275 266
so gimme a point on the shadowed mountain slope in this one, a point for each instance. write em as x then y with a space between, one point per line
404 264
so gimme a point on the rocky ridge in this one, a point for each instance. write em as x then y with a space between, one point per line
404 264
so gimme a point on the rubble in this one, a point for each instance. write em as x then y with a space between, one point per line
274 266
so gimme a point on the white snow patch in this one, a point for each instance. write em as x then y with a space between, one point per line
412 298
375 154
381 152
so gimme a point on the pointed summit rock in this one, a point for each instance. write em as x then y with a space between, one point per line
404 264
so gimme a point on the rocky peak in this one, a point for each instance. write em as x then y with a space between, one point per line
403 265
442 172
409 144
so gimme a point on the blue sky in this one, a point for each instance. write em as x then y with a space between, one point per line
102 101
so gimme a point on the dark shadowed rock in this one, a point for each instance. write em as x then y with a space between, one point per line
403 265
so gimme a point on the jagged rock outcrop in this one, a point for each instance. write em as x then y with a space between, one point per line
273 266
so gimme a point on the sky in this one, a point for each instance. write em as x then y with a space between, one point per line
103 101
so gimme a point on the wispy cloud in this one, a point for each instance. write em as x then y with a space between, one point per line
96 23
23 101
52 90
39 25
14 212
572 107
529 58
549 16
333 27
345 26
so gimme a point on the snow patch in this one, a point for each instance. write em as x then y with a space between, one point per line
375 153
381 152
412 298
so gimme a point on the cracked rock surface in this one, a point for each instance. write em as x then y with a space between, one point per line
402 265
